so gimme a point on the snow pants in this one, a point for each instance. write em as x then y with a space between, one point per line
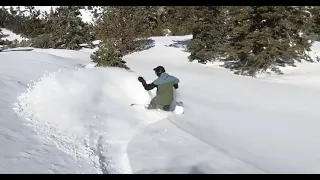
154 105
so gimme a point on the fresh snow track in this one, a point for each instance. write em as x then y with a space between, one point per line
87 114
22 151
268 125
182 153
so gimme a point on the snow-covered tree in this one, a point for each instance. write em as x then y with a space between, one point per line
263 37
209 34
254 37
108 55
1 36
2 41
65 29
119 29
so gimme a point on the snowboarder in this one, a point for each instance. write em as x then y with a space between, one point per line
165 84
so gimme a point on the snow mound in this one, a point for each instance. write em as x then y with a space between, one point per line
87 114
23 151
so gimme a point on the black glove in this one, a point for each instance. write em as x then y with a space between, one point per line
141 79
175 86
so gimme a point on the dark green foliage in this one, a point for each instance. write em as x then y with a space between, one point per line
179 19
119 29
209 34
254 37
249 39
27 26
64 30
58 29
3 43
153 21
43 41
1 37
264 36
315 12
33 25
108 55
170 20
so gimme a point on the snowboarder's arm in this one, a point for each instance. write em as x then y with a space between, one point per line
176 82
148 87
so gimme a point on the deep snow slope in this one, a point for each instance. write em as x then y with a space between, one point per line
87 114
22 150
82 122
268 125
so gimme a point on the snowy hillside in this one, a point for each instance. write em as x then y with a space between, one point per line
22 149
80 120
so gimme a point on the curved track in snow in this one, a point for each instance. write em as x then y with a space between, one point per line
87 114
229 126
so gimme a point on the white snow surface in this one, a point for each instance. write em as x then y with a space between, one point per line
79 120
11 35
307 74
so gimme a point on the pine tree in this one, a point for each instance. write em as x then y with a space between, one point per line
3 14
108 55
209 34
315 12
125 23
15 20
66 29
179 19
154 20
119 30
25 25
2 42
71 31
1 36
34 26
261 37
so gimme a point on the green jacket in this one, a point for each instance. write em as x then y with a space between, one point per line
165 87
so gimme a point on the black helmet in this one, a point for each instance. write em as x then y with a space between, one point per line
159 70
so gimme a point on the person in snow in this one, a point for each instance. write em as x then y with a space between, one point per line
164 84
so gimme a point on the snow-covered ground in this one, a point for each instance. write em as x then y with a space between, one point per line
307 74
79 120
11 36
22 150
